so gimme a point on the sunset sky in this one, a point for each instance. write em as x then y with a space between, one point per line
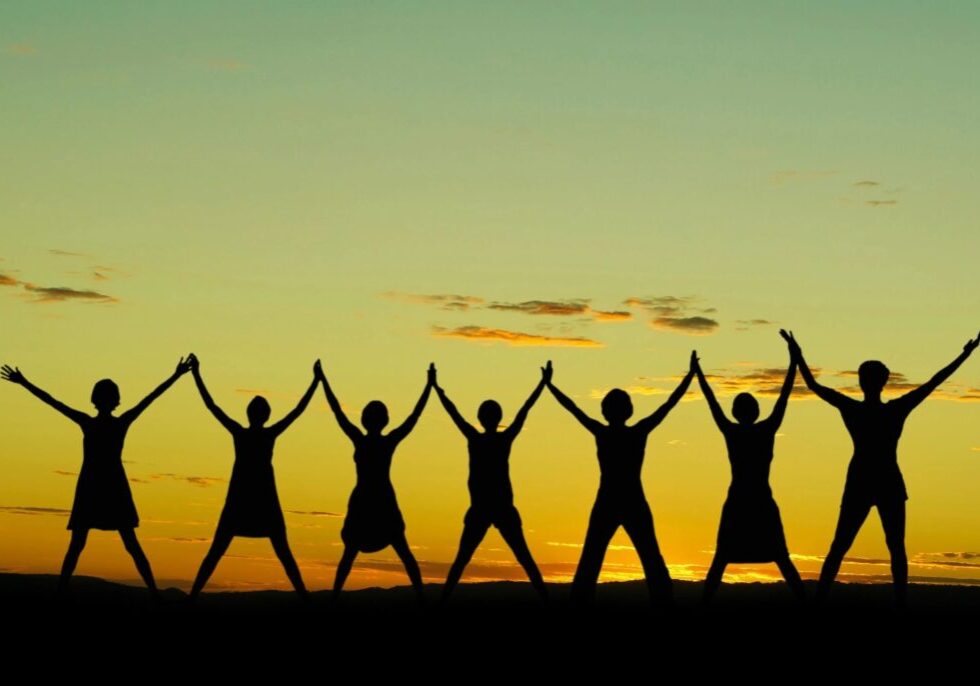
486 186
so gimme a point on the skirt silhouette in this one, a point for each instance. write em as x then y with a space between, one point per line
373 519
751 529
252 508
103 499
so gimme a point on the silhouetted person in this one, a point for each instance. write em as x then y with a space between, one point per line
620 500
252 506
103 499
873 476
373 520
491 495
750 529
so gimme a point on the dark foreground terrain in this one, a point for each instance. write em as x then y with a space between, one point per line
491 630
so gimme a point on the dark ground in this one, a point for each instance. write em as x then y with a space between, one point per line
492 630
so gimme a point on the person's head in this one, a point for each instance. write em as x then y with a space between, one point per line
258 411
872 375
617 406
374 417
105 395
490 414
745 408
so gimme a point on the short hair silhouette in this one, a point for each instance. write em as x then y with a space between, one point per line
490 414
105 395
258 411
374 416
873 375
745 408
617 406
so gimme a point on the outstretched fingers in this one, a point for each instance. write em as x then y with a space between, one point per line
11 374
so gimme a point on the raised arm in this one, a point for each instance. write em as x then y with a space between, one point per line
183 366
917 395
468 429
521 416
209 403
779 410
284 423
585 420
14 375
399 433
652 421
835 398
709 395
346 425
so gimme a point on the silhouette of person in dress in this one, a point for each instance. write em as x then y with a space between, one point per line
252 506
620 500
491 495
373 520
873 476
750 529
103 499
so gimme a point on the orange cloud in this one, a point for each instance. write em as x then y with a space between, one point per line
614 316
8 280
880 203
445 301
482 333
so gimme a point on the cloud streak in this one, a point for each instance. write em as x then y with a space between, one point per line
560 308
199 481
445 301
315 513
34 511
881 203
697 326
54 294
515 338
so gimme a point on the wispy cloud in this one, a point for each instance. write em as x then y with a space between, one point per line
611 316
6 280
445 301
32 510
865 183
53 294
68 253
547 307
746 324
315 513
680 314
881 203
517 338
200 481
62 472
21 50
698 325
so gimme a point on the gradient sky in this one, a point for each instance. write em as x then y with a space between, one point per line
265 184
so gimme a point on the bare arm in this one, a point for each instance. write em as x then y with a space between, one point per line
346 425
209 403
835 398
284 423
14 375
779 410
652 421
464 426
585 420
183 366
399 433
917 395
521 416
709 395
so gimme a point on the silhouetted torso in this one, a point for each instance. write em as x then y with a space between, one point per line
252 507
489 480
750 451
875 429
103 499
373 518
620 450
